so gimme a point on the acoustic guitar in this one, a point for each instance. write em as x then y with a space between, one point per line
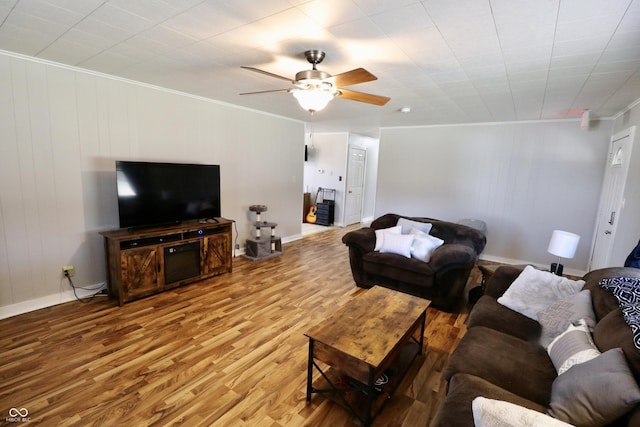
313 209
311 216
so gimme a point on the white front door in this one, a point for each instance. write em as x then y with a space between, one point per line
355 186
611 198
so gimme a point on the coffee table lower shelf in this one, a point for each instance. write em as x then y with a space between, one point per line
354 395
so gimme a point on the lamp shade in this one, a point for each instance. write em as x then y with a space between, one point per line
313 99
563 244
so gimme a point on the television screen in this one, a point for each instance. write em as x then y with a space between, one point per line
152 194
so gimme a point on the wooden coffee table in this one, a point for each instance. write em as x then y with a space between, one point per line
374 337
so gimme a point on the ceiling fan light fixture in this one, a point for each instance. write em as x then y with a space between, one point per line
316 88
314 100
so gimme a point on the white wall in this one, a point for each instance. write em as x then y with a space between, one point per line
327 168
628 232
523 179
60 133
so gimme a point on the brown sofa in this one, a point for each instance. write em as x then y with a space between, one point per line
442 279
500 357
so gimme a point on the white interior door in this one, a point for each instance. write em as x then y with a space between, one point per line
611 198
355 185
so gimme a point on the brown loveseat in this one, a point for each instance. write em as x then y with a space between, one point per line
442 279
500 357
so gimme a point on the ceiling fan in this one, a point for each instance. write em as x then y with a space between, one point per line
314 88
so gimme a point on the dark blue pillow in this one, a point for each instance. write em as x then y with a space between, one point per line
627 291
633 260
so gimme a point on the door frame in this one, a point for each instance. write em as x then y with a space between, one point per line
626 133
347 185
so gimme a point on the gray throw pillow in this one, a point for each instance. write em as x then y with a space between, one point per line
595 393
558 316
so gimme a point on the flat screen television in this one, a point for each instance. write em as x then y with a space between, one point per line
152 194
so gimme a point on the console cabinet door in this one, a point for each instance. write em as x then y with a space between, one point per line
216 253
139 272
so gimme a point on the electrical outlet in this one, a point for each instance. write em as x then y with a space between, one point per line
237 245
69 270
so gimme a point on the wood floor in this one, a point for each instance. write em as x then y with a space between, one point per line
229 351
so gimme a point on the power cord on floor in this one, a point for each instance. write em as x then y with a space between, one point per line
85 299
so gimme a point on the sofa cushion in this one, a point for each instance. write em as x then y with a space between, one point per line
389 264
612 332
489 313
496 413
452 255
572 347
518 366
501 279
456 410
595 393
558 316
535 290
398 269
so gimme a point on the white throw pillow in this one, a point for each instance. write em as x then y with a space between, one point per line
534 290
396 229
408 224
498 413
399 244
423 244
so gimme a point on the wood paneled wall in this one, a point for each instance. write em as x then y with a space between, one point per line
62 130
523 179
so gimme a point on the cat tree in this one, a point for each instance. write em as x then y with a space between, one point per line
262 246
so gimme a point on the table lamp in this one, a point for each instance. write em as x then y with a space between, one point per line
563 245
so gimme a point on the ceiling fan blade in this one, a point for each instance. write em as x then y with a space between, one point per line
266 73
265 91
363 97
353 77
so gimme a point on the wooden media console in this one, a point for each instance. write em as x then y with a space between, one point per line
148 261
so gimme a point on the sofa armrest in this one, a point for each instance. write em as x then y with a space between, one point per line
452 255
359 242
363 239
502 279
385 221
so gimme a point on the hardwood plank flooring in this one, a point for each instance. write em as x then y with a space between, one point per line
228 351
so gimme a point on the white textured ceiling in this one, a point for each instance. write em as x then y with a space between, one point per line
451 61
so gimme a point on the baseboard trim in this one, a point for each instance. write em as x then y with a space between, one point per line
289 239
44 302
